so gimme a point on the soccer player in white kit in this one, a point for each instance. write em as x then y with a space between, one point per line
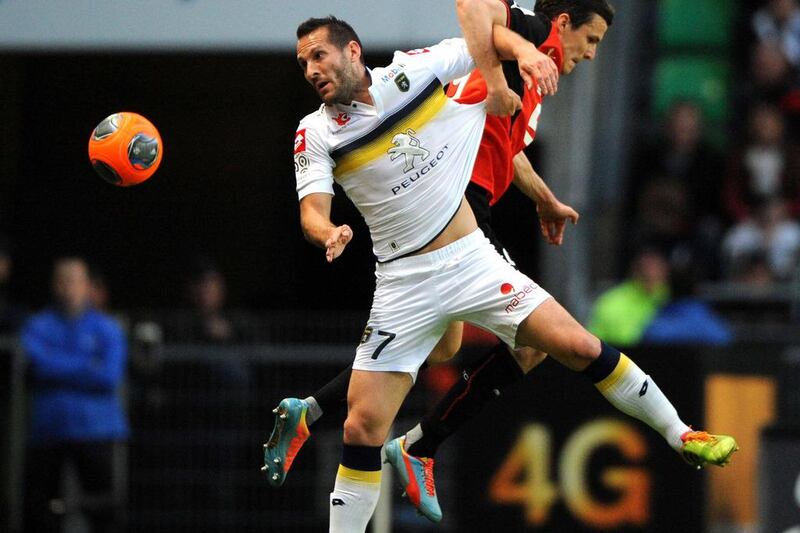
403 153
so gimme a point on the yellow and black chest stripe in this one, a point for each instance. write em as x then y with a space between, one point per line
414 115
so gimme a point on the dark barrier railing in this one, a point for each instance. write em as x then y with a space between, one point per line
549 455
12 431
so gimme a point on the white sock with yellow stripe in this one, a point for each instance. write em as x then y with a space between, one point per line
358 485
635 393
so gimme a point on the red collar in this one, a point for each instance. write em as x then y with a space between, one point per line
552 46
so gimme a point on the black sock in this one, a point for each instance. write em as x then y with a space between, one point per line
604 365
333 395
479 384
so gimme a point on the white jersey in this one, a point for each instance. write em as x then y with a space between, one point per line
404 162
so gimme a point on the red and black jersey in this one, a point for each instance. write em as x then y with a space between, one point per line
504 137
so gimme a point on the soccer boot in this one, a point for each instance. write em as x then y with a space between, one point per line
416 477
288 436
701 448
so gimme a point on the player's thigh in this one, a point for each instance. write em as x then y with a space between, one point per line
448 345
551 329
373 400
404 325
491 294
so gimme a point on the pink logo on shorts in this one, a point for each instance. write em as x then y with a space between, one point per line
519 296
505 288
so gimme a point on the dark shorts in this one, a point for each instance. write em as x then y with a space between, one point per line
478 199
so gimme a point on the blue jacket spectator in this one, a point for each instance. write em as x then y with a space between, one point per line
77 359
687 321
76 364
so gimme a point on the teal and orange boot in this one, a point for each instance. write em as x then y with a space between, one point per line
288 436
416 477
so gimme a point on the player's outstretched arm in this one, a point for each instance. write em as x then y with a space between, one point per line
315 219
477 19
512 46
553 214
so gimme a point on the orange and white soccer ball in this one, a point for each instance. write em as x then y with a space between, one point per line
125 149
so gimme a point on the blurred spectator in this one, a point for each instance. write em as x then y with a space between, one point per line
674 188
778 22
771 234
772 74
77 360
11 313
621 314
210 322
686 319
772 80
764 169
662 213
682 153
753 270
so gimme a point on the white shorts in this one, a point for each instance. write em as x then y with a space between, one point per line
417 297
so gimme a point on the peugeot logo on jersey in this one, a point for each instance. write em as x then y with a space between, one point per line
407 145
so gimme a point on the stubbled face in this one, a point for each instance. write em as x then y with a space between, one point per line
334 73
580 43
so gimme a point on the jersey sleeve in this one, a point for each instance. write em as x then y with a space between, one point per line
448 60
531 26
313 166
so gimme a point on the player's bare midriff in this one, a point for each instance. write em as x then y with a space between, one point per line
462 224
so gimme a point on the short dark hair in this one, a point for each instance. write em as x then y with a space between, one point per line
580 11
339 32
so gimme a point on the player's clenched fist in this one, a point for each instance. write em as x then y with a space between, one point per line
337 240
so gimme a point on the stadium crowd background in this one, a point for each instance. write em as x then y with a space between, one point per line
206 269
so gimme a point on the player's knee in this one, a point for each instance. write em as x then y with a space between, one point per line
585 348
529 358
363 429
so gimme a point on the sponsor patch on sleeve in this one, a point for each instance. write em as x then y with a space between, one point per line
300 141
300 163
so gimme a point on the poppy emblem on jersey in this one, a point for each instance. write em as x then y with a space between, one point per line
506 288
402 82
342 119
407 145
300 141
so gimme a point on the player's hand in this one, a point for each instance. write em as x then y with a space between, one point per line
502 102
337 240
539 67
553 218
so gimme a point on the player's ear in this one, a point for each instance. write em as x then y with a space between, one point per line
562 22
355 51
